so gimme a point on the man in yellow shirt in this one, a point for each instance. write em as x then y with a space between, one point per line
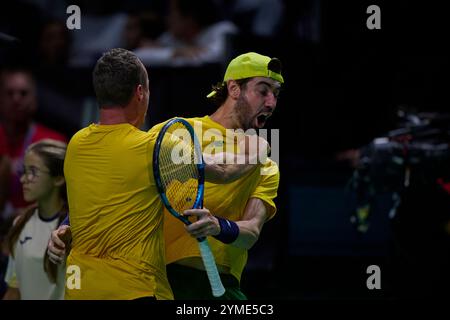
116 214
237 211
234 213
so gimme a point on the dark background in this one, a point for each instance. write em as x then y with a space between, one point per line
342 89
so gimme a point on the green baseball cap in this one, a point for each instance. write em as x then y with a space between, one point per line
251 64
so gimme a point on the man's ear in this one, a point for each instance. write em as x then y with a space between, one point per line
234 90
59 181
140 92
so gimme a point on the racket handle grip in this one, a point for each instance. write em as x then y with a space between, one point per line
211 269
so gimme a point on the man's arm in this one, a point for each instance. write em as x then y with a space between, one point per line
255 215
226 173
225 167
252 222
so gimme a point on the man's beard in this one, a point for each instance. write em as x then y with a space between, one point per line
244 114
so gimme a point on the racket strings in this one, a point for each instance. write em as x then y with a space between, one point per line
178 169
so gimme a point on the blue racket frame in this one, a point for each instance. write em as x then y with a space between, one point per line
207 256
198 203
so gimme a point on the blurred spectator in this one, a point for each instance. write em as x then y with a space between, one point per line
54 44
57 83
133 33
17 107
101 26
195 35
55 9
4 173
143 29
257 17
5 224
30 275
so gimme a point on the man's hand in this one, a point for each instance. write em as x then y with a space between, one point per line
59 244
206 224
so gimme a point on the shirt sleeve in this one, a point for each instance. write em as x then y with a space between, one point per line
157 127
10 276
268 187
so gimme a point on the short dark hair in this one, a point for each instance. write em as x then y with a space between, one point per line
115 77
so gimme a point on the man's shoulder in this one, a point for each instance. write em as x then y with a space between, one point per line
123 132
157 127
79 133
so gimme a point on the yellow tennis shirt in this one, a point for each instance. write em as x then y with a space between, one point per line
116 216
225 200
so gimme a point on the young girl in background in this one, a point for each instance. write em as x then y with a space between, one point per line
30 275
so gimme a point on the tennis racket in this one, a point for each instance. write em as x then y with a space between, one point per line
178 168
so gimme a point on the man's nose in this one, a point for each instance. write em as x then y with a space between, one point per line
271 101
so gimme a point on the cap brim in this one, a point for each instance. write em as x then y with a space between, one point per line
211 94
